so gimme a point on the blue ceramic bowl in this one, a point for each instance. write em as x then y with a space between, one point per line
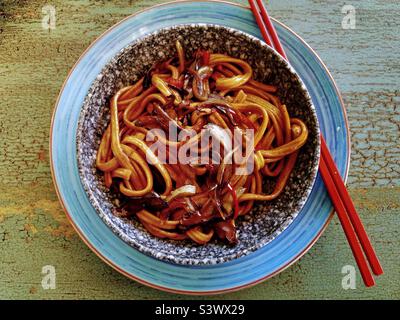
267 219
247 270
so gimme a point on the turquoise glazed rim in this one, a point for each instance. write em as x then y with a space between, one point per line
269 260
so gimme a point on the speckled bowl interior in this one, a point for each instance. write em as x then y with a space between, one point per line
267 219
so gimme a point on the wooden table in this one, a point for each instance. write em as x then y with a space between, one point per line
33 229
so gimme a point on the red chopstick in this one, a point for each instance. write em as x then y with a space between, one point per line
337 191
270 28
351 210
259 20
346 225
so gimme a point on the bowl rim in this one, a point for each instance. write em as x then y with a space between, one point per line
137 278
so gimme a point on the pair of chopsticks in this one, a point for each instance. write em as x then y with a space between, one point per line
349 219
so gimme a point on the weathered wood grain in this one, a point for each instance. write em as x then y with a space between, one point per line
33 229
34 232
374 120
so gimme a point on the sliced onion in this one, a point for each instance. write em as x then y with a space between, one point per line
221 134
184 191
228 203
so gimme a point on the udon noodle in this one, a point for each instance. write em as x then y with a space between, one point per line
197 201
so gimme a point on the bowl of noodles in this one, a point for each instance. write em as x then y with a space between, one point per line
198 144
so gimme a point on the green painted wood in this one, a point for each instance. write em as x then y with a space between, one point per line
35 232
